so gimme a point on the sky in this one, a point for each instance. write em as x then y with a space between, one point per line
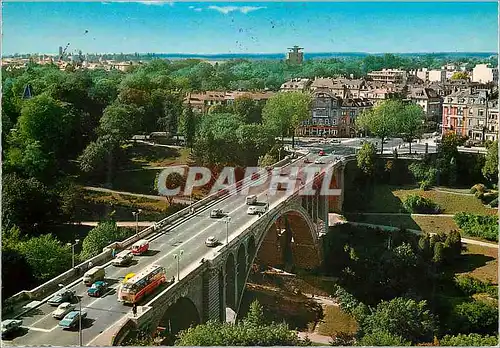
249 27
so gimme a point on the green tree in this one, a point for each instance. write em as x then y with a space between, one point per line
490 169
46 256
366 158
460 75
409 319
474 317
188 125
471 340
99 237
409 123
381 120
97 155
284 112
173 181
247 109
119 121
382 338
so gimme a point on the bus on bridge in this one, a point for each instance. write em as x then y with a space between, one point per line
142 284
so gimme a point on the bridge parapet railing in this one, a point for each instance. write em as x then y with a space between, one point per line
107 254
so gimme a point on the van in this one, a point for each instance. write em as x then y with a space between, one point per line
93 275
140 247
252 199
123 258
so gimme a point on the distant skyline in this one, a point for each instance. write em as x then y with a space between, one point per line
249 27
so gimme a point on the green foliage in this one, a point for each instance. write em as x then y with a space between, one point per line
460 75
475 317
483 226
421 205
490 169
95 158
366 158
470 286
121 121
471 340
45 256
406 318
409 122
382 120
382 338
101 236
248 110
478 188
424 173
187 125
252 331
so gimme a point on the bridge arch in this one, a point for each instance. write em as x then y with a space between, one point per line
230 283
180 316
241 268
290 236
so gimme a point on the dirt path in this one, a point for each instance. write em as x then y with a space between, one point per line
157 198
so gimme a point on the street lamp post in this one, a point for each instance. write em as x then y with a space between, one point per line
73 250
136 214
178 258
227 220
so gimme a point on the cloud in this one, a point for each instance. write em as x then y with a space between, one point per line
198 9
156 2
229 9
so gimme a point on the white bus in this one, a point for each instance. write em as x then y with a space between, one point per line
142 284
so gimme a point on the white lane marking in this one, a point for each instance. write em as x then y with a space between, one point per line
38 329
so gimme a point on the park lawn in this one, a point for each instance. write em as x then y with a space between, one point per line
141 155
335 321
480 262
137 181
389 199
430 224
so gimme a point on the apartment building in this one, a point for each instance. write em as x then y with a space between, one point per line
491 132
296 85
201 102
324 115
428 75
350 109
388 75
429 100
465 113
484 74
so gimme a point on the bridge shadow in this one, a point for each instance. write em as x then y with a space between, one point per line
131 263
19 332
150 253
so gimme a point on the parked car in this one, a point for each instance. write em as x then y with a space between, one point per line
63 309
211 242
71 319
307 160
61 297
321 153
319 161
97 289
10 326
124 258
216 213
256 209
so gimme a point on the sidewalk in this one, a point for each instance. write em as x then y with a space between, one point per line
118 223
158 198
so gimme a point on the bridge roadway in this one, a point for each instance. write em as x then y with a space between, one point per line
189 235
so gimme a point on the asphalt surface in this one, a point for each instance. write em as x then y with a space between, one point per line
189 235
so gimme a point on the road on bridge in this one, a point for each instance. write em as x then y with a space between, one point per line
187 234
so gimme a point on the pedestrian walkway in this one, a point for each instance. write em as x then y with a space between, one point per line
402 214
158 198
118 223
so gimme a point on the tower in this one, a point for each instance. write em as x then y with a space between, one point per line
294 56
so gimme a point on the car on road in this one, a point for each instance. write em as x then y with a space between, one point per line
211 242
322 153
10 326
216 213
335 141
319 161
61 297
251 199
124 258
63 309
71 319
98 289
256 209
307 160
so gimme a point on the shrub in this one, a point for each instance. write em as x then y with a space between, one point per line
470 286
478 188
483 226
419 204
469 340
489 196
494 203
475 317
383 338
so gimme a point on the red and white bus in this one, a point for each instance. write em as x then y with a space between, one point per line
140 247
142 284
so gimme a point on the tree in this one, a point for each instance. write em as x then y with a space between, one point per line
471 340
409 319
97 154
46 256
284 112
173 181
366 158
99 237
381 120
474 317
490 169
120 121
382 338
460 75
248 109
188 125
409 123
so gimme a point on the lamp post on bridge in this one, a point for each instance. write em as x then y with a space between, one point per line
178 258
73 250
136 215
227 220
